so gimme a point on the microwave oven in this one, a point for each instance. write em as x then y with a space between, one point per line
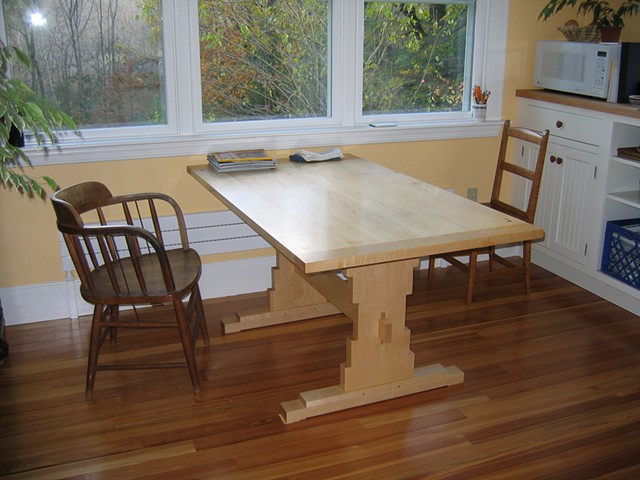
601 70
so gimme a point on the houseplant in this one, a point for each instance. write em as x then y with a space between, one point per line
22 112
606 18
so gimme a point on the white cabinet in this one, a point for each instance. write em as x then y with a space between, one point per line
568 179
585 184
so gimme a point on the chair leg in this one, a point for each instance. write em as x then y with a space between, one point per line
114 313
526 258
201 318
432 266
187 345
94 348
473 266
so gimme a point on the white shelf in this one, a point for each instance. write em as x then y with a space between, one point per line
626 161
631 198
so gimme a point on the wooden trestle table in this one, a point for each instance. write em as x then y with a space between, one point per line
348 235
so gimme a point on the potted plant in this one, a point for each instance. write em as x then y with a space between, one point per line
22 112
607 19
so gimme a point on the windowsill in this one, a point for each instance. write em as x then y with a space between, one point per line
85 151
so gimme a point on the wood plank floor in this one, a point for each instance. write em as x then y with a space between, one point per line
551 391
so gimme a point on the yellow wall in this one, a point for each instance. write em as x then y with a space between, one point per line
28 238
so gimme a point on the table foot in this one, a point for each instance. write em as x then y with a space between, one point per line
332 399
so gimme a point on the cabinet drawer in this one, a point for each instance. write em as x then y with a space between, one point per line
579 128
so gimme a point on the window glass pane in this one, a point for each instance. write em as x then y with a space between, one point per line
263 59
101 61
415 57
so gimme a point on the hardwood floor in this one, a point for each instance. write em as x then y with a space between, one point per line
551 391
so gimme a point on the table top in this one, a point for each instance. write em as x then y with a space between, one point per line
331 215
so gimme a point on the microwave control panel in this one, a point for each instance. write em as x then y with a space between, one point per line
600 74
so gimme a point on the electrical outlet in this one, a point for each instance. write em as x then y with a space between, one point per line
472 194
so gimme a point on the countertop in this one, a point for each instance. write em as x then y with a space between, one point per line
577 101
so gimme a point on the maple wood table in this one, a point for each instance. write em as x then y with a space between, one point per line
348 235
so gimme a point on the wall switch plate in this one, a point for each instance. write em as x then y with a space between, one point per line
472 194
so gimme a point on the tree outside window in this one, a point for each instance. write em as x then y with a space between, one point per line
264 59
101 61
415 57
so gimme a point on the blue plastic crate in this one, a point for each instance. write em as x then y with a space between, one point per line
621 252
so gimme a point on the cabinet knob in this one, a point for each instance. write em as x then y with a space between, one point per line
559 124
553 158
559 160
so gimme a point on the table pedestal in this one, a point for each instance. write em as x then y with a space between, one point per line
380 363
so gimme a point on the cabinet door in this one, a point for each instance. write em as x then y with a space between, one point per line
565 200
548 198
526 155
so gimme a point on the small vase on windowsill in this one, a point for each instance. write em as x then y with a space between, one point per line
479 112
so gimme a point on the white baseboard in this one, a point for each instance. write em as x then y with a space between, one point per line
53 301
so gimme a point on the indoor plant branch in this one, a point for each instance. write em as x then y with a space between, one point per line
27 112
603 14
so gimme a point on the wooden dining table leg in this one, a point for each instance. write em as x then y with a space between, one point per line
380 363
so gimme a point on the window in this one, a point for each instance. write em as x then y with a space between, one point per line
175 77
101 62
416 57
265 59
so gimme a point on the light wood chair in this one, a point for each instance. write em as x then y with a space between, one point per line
126 262
532 176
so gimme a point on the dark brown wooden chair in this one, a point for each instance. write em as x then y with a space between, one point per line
532 176
126 262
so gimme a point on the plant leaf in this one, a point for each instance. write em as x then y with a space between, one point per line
51 182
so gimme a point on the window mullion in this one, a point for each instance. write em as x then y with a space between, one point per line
182 97
346 44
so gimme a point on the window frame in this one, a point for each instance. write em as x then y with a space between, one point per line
186 135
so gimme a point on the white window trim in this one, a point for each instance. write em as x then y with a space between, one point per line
184 135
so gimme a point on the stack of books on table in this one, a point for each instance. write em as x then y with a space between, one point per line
240 160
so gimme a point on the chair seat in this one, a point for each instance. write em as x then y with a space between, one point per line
185 267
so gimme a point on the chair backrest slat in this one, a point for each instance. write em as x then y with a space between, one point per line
532 175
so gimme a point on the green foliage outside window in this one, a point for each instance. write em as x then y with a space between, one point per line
414 57
263 59
268 59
